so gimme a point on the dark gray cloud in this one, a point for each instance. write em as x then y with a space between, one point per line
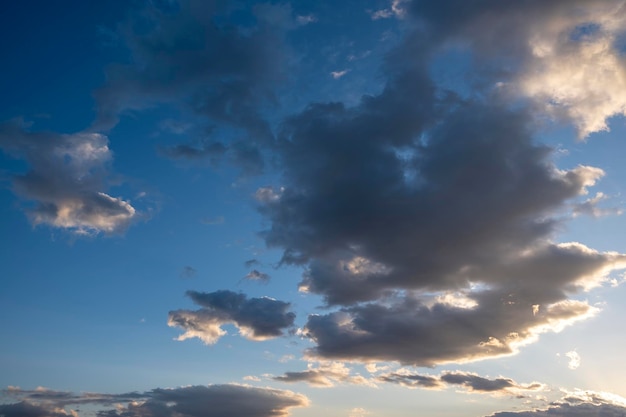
412 380
430 216
66 181
192 401
251 262
256 318
214 401
256 275
469 381
217 73
478 383
469 207
197 151
25 409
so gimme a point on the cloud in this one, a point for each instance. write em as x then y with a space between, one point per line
396 10
338 74
471 382
255 275
251 262
220 77
428 217
358 412
325 375
581 403
66 180
256 318
563 54
574 359
303 20
188 272
590 207
191 401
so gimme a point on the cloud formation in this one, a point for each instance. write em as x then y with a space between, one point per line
565 55
428 215
66 182
256 275
577 404
469 381
221 76
325 375
574 359
256 318
191 401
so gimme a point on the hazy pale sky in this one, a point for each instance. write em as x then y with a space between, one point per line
349 208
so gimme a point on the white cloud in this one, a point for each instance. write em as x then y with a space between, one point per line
338 74
576 69
574 359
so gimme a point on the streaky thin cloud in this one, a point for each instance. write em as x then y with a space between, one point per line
469 381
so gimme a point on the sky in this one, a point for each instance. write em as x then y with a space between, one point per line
343 208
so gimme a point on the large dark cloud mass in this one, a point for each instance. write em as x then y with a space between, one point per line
428 214
192 401
66 179
257 318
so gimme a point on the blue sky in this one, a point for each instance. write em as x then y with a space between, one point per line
356 208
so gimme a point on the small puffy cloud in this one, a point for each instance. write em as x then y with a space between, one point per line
325 375
66 180
358 412
574 359
256 275
267 195
256 318
303 20
338 74
190 401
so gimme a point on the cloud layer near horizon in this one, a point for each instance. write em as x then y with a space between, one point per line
191 401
